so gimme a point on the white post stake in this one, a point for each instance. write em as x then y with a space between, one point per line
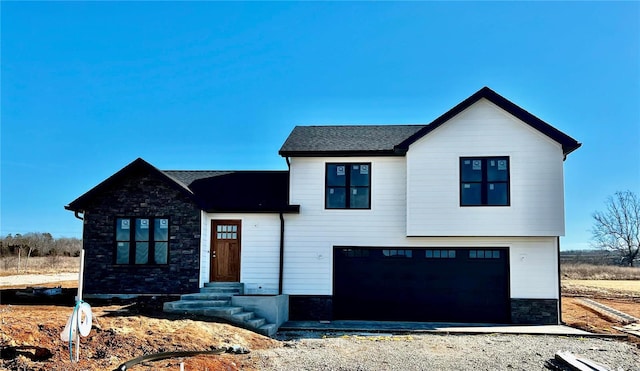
78 299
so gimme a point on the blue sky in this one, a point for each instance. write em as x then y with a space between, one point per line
87 87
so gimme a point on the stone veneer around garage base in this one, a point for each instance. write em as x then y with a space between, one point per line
534 311
310 307
523 311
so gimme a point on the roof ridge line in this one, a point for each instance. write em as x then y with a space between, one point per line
360 125
225 171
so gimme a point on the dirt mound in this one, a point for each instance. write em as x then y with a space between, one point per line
119 333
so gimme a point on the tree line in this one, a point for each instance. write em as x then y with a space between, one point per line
38 244
592 257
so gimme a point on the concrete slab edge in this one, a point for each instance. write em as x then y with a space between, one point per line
447 332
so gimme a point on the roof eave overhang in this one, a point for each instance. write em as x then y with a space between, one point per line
71 208
290 209
569 149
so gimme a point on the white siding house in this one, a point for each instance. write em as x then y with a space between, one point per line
455 220
464 216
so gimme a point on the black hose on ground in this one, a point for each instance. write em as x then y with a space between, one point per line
165 355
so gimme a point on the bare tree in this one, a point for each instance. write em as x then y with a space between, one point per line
618 227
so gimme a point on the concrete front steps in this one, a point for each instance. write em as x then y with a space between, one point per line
214 300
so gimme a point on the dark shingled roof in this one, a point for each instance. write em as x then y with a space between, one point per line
238 191
186 177
395 140
353 139
212 191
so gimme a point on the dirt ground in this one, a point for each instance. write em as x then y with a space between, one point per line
120 332
620 295
125 330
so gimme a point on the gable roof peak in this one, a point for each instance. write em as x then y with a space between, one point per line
568 144
136 166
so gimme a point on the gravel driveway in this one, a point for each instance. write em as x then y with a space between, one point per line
439 352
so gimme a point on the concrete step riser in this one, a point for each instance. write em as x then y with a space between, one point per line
217 290
244 316
224 284
196 304
222 312
205 296
267 330
257 322
224 287
192 311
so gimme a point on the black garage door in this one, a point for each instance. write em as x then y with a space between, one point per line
400 284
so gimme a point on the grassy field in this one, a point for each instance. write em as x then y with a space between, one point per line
40 264
615 285
598 272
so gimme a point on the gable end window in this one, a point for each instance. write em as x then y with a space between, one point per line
142 241
348 186
484 181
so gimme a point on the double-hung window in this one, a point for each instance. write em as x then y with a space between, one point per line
348 186
142 240
484 181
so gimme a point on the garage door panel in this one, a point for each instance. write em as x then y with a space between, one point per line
421 284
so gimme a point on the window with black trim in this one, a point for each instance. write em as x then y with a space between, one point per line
348 186
484 181
142 240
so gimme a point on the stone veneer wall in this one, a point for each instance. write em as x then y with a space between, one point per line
523 311
310 307
534 311
143 195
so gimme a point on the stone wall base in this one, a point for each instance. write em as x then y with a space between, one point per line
310 307
534 311
523 311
